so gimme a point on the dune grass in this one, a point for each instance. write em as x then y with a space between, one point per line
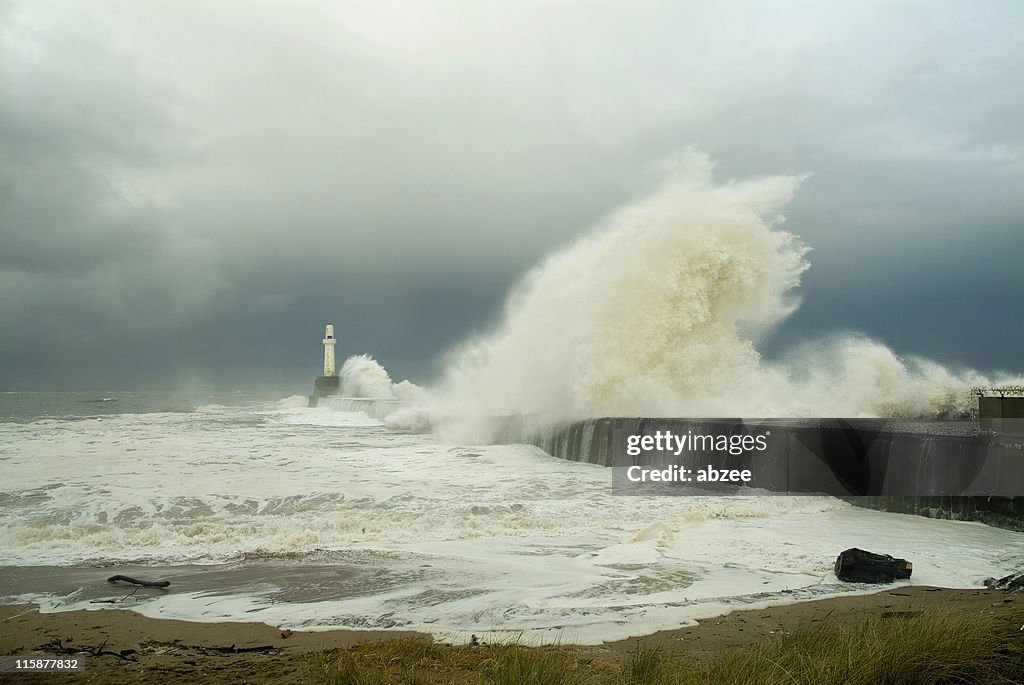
926 650
929 649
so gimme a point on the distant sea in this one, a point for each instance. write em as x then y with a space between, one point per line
264 509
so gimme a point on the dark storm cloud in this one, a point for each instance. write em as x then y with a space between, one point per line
192 189
76 136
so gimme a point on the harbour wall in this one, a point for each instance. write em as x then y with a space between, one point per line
939 469
373 408
923 457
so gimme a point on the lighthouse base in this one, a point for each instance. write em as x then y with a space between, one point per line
324 386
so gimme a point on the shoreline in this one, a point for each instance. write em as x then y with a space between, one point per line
135 648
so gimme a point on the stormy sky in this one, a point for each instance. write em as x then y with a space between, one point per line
189 190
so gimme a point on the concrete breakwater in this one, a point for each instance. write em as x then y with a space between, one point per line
941 469
378 409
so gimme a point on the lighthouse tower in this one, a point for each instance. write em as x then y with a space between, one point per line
329 351
329 383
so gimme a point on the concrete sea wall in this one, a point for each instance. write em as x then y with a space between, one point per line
375 409
928 459
938 469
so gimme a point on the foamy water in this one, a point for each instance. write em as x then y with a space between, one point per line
319 518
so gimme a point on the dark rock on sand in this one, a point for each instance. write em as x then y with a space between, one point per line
858 566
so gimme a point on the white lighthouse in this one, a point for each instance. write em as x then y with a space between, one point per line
329 383
329 342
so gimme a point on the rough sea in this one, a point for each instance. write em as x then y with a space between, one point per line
265 510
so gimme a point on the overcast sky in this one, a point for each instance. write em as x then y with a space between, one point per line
190 190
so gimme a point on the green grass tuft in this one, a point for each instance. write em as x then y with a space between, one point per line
925 650
520 665
929 649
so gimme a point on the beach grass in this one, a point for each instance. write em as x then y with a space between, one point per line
417 661
932 648
925 650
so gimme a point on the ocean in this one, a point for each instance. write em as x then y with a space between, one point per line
260 509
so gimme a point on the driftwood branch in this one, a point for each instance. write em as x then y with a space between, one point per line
55 646
135 581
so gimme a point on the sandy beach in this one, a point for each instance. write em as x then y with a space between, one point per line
135 649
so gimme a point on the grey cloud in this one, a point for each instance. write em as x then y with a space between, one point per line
194 170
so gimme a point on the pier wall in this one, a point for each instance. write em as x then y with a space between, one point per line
375 409
904 456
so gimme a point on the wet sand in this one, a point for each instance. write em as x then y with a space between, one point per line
135 649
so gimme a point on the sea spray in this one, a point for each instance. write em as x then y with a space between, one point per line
658 312
363 378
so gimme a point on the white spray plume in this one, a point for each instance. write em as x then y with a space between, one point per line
361 376
408 391
657 312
